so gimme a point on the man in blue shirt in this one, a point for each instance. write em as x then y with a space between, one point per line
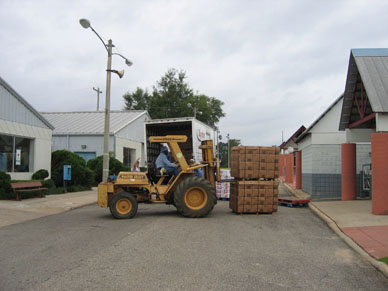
163 162
199 171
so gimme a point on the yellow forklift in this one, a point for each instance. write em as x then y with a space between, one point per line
192 195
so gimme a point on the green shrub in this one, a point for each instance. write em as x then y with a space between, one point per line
115 166
49 183
5 186
40 174
80 173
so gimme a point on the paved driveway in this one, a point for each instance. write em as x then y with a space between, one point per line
158 250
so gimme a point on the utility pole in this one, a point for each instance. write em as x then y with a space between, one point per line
98 96
227 137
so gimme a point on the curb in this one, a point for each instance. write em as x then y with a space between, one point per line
82 205
380 266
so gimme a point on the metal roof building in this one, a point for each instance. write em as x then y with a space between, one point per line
364 118
83 133
25 136
366 90
91 122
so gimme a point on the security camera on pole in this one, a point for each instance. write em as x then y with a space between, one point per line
105 168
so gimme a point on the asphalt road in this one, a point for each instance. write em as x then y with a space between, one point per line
86 249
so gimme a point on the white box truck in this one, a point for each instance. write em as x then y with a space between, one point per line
195 130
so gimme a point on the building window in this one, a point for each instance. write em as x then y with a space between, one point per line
6 150
127 157
14 154
86 155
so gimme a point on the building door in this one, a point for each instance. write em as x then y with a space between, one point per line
129 156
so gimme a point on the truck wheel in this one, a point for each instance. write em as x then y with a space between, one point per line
195 197
123 205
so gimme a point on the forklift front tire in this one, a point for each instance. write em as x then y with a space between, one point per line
123 206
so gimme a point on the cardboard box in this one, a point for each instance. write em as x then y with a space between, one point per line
249 157
240 201
268 201
250 208
247 201
270 166
254 162
239 209
268 208
256 158
249 166
267 150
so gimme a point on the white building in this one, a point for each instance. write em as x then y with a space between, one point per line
364 120
83 133
25 136
320 146
357 115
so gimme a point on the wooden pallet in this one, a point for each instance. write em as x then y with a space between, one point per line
223 198
293 202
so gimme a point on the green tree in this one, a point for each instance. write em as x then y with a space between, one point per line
170 98
138 100
115 166
223 148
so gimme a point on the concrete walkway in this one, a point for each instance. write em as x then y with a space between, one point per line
355 223
12 212
356 220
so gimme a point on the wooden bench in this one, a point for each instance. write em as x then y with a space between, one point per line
33 186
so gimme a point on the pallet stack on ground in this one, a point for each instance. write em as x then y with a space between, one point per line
250 162
254 196
255 170
223 188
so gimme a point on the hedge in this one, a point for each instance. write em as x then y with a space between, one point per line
80 173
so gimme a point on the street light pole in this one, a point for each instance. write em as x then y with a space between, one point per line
227 137
105 164
105 161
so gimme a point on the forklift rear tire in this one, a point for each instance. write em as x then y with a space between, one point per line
123 205
195 197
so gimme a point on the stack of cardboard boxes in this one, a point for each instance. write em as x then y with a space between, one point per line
223 188
255 189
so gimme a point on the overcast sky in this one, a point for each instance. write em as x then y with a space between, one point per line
276 65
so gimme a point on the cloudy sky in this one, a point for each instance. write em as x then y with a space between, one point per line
276 64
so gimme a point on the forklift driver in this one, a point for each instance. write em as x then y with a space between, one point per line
163 162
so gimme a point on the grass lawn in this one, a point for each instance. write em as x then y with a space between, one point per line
384 260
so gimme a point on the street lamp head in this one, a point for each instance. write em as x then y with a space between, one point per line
84 23
128 62
119 73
